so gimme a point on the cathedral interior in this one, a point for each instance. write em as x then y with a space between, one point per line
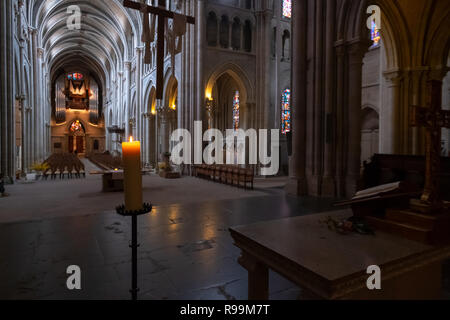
356 94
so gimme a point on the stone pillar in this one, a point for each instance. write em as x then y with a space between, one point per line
119 100
341 127
356 54
201 35
128 106
389 116
39 78
263 34
146 144
163 114
35 94
7 138
297 179
139 96
328 181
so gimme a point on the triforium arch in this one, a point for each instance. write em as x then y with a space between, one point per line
218 110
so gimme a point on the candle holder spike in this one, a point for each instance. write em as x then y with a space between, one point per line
121 210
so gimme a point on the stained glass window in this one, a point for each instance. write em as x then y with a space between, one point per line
236 106
287 8
286 111
375 34
75 76
76 126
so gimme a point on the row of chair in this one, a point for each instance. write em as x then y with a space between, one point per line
64 165
228 174
106 161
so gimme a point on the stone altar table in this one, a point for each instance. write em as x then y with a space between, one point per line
328 265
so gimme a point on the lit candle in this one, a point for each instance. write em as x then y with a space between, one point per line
131 156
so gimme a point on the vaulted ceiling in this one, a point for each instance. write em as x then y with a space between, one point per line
106 39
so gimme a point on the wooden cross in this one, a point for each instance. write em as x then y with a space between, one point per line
162 14
433 118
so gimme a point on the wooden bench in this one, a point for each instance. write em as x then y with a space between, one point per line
227 174
64 165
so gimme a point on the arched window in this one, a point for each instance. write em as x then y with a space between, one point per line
286 111
76 127
248 36
211 30
375 34
224 32
75 76
236 107
287 8
236 34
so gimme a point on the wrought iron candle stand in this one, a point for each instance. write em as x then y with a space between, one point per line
134 245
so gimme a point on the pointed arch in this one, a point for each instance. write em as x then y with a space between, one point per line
246 90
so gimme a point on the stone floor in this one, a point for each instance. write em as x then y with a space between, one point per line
186 251
72 197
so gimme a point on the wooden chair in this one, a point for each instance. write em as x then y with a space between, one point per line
249 176
223 174
229 179
235 176
45 174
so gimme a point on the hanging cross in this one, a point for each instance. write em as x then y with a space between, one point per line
433 119
162 15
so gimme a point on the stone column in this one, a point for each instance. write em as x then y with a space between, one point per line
127 65
139 96
35 94
119 100
24 163
145 126
297 179
163 114
389 116
341 127
39 78
356 54
328 181
201 35
7 158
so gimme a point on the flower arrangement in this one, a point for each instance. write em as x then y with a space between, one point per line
40 167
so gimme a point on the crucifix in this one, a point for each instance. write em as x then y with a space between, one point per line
162 14
433 119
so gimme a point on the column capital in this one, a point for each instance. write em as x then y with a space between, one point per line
438 73
340 48
32 31
358 48
393 77
40 52
127 65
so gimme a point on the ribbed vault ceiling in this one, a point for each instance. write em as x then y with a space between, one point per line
105 40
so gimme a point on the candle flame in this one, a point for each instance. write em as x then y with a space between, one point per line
131 139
